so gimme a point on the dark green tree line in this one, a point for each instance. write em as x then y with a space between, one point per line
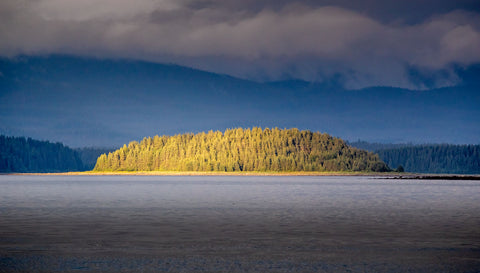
439 158
240 150
19 154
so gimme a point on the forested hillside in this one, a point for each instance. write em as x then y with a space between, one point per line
238 150
442 158
19 154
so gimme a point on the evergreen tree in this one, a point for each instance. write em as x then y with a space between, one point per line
434 158
19 154
241 150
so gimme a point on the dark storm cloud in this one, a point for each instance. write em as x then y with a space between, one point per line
363 42
386 11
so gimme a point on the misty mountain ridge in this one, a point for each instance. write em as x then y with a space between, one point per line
93 102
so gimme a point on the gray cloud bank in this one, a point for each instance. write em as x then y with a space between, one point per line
261 40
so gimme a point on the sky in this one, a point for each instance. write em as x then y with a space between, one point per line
105 72
362 43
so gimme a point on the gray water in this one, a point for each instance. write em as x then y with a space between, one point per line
237 224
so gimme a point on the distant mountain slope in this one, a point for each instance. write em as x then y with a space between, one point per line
240 150
19 154
91 102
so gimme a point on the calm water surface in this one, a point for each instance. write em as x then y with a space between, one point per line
237 224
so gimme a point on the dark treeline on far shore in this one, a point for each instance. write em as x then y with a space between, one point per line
441 158
20 154
241 150
26 155
427 158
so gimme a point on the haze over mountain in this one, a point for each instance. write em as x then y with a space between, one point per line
104 102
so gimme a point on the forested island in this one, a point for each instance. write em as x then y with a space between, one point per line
241 150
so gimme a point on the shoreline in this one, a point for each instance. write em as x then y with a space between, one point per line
399 176
438 177
193 173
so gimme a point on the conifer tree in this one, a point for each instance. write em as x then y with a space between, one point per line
241 150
